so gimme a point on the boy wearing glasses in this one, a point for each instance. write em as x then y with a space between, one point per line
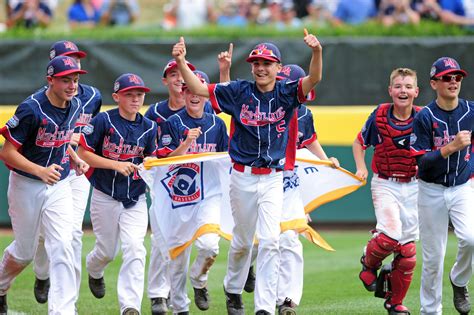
394 189
261 111
441 144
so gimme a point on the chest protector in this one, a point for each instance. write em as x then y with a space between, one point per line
392 156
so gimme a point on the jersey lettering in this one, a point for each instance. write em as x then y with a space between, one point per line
258 118
53 140
122 151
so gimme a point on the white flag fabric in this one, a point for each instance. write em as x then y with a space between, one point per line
181 186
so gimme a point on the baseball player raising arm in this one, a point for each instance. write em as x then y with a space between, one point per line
441 143
114 144
36 151
261 111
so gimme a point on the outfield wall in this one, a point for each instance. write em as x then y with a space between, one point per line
336 126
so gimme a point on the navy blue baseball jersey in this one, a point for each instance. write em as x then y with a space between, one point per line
433 128
306 131
91 103
113 137
214 136
160 112
260 121
42 131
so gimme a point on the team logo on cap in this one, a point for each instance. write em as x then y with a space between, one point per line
69 62
433 71
134 79
70 45
50 70
183 183
448 62
52 53
286 71
13 122
116 86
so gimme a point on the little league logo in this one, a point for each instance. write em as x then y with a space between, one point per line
184 184
13 122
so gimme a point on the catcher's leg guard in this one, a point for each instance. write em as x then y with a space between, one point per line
402 272
383 287
379 247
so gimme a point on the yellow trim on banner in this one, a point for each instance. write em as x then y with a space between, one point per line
330 196
298 225
149 163
317 239
205 229
302 227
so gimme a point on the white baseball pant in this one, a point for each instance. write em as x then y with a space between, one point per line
33 206
436 205
158 271
395 205
80 187
256 202
207 246
114 224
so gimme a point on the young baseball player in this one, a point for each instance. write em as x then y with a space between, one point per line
261 111
115 143
441 143
188 132
40 199
394 188
91 102
158 277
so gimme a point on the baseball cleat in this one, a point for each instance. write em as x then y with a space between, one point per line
234 303
287 308
201 298
130 311
3 305
183 313
461 298
41 290
250 283
97 287
262 312
398 309
159 306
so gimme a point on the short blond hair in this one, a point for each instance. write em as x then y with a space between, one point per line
404 72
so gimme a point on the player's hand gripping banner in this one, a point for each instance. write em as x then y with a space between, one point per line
190 196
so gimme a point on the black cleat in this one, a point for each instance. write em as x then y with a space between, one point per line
130 311
262 312
234 303
250 283
201 298
97 287
461 299
183 313
159 306
41 290
287 308
3 305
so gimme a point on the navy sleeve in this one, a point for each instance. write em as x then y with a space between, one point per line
21 126
93 134
223 144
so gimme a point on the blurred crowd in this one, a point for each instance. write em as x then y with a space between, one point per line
240 13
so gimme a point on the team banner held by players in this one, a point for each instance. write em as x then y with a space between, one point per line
179 185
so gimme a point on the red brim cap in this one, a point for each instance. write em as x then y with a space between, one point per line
67 72
137 87
171 65
79 54
252 58
464 73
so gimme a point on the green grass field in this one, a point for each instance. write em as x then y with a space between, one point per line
331 282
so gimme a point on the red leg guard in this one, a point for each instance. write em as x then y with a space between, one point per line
376 250
402 272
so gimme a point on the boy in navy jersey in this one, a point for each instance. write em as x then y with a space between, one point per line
261 111
188 132
114 144
91 102
39 198
441 143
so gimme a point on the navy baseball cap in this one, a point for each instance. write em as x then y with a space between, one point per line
172 64
266 51
445 65
65 48
128 81
291 72
201 75
61 66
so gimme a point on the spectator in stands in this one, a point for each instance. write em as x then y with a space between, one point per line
353 12
254 12
230 15
193 13
321 12
119 12
288 17
393 12
30 14
458 12
83 14
428 9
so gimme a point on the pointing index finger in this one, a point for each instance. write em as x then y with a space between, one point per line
231 48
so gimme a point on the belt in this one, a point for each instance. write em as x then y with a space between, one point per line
398 179
254 170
